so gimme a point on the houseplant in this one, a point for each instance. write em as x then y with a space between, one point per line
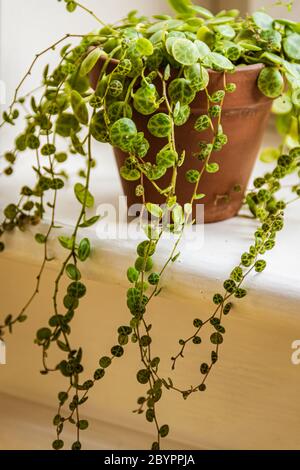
161 65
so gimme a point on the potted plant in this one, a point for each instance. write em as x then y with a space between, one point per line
184 101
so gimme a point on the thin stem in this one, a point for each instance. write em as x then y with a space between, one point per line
90 12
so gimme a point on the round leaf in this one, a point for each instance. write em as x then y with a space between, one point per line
160 125
145 100
225 30
144 46
219 62
197 76
79 107
262 20
270 82
282 105
130 174
180 90
167 158
122 132
291 46
185 52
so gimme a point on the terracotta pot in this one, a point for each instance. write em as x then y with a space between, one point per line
244 119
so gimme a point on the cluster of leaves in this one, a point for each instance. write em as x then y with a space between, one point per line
161 65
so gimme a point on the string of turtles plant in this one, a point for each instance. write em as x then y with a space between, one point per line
163 62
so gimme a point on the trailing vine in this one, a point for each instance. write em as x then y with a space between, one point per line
160 66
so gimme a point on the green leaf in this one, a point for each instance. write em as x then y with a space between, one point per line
154 210
225 30
219 62
249 45
296 97
271 82
282 105
178 216
171 39
197 76
202 123
220 20
65 124
83 195
175 258
105 362
155 172
132 275
76 290
262 20
181 6
40 238
199 196
216 338
203 49
22 318
78 147
160 125
90 61
83 424
119 109
291 46
90 222
166 157
145 99
182 115
185 51
192 176
43 334
274 58
144 47
202 12
167 72
122 132
79 107
61 157
143 376
212 167
167 25
164 430
73 272
58 443
84 249
180 90
130 174
66 242
62 346
269 155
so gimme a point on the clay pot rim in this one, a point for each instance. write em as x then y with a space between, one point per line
239 69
